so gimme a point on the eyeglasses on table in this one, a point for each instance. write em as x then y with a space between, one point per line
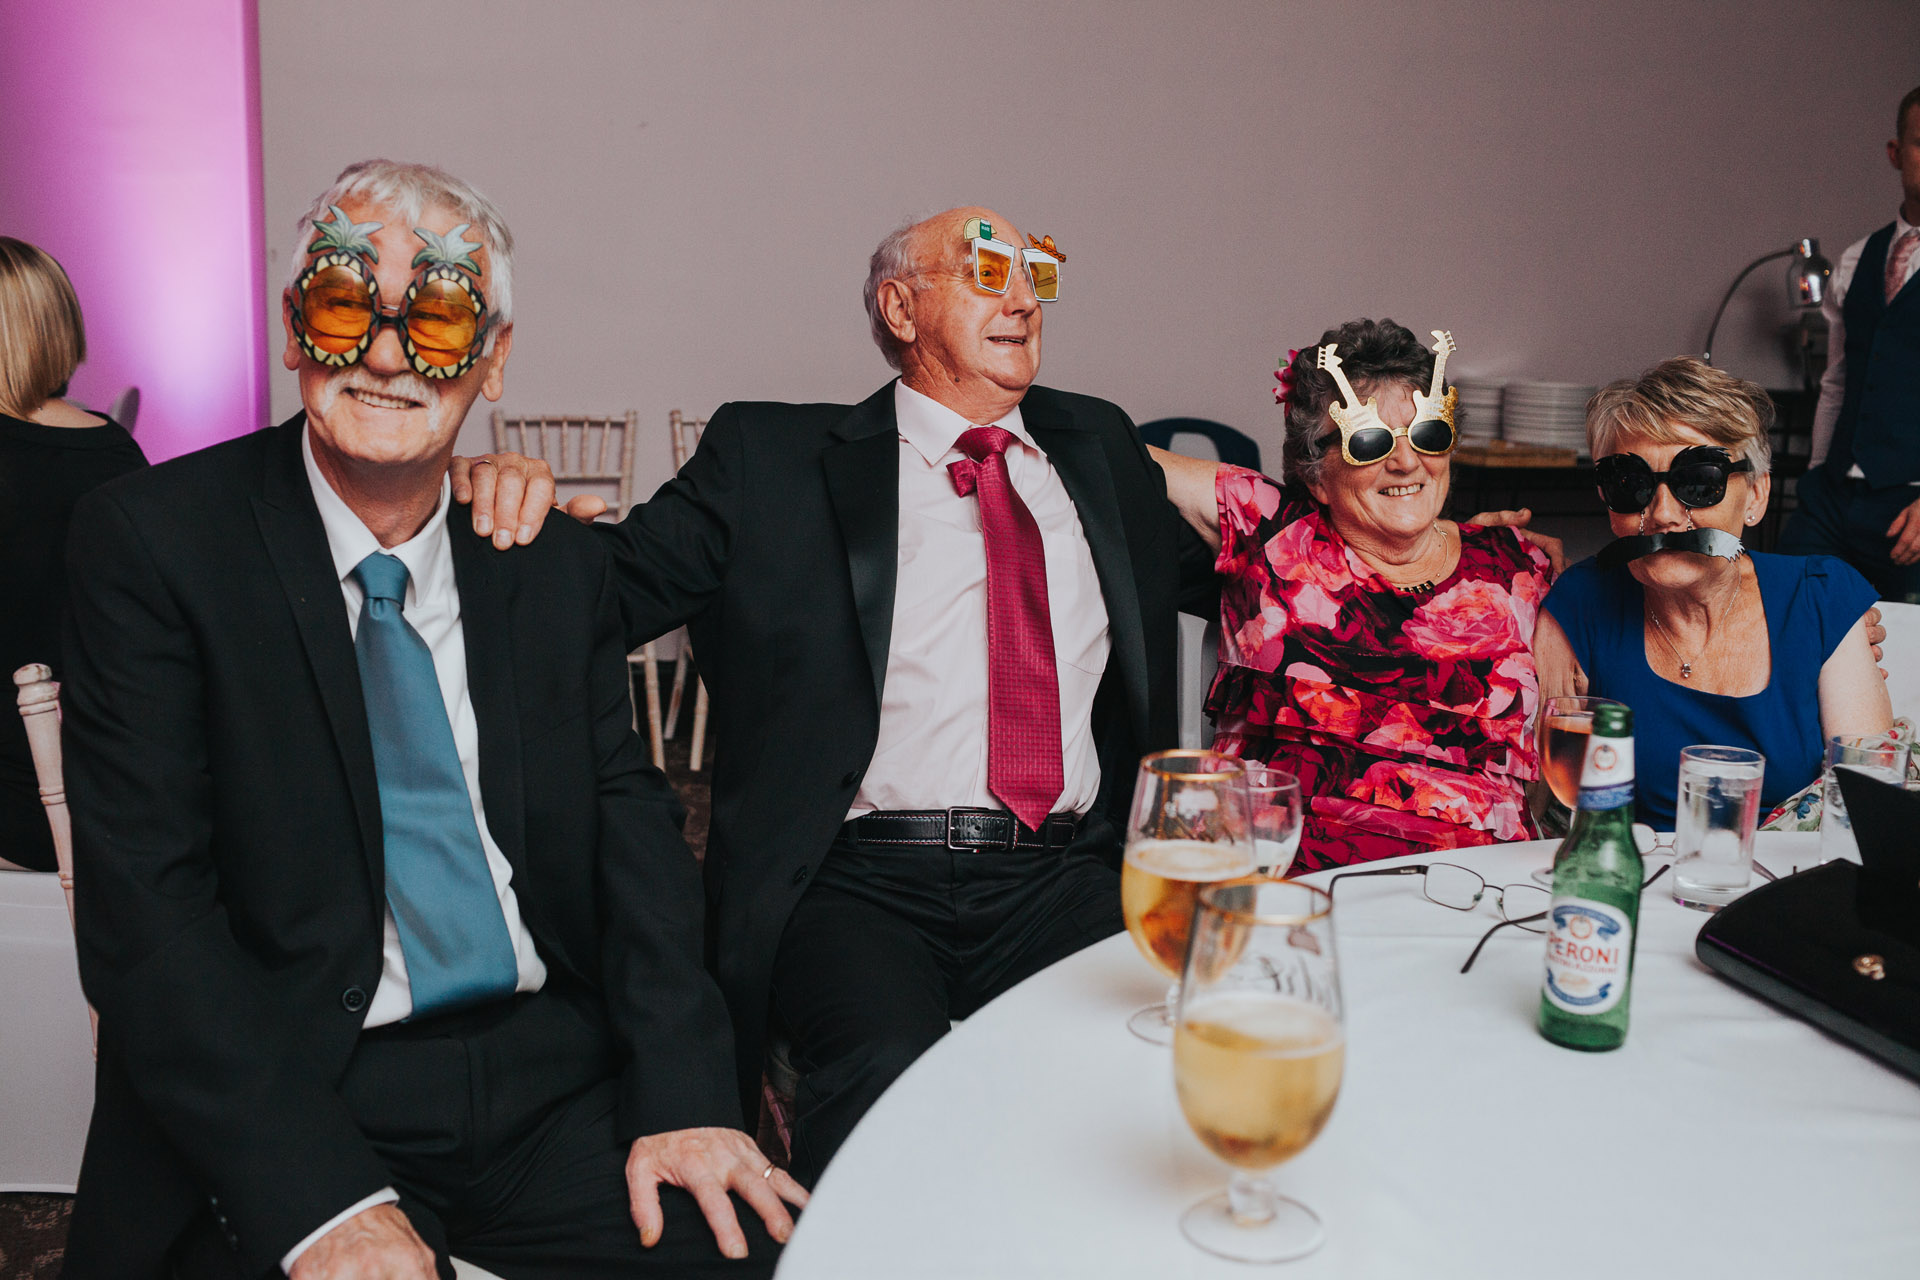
1458 888
1536 923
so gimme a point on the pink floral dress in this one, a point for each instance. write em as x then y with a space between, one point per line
1407 717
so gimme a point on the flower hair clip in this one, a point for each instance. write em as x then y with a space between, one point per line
1283 394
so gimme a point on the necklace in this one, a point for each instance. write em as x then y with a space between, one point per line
1686 668
1419 588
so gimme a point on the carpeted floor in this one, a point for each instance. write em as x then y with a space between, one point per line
33 1228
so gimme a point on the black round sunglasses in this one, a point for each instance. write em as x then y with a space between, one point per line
1697 477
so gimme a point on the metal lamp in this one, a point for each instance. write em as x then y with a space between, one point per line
1806 282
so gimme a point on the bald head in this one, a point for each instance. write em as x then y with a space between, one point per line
969 348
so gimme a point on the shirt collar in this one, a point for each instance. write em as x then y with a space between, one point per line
932 428
427 554
1900 226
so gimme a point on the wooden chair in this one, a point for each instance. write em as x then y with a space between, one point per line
39 700
685 433
585 453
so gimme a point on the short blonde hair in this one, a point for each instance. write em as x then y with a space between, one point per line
1684 392
42 338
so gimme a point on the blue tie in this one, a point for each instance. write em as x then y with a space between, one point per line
452 931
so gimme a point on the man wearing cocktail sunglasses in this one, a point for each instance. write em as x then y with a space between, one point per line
938 631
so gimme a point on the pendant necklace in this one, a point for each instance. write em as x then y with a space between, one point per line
1686 668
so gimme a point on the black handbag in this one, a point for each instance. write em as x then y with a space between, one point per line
1839 944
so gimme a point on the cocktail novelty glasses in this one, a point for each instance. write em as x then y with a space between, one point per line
1697 477
993 262
442 322
1365 439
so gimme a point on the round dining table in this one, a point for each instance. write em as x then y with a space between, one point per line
1725 1138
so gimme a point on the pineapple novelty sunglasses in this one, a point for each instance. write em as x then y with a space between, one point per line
443 322
993 262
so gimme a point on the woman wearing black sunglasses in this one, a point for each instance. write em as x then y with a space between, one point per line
1710 644
1379 652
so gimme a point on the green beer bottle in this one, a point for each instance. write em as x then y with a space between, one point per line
1596 898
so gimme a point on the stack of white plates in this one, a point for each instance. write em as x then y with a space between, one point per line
1478 410
1552 415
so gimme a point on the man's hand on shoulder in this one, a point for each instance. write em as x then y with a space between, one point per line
511 496
1555 550
709 1163
375 1244
1905 532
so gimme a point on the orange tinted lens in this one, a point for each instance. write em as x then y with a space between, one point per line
992 269
1046 279
337 310
442 321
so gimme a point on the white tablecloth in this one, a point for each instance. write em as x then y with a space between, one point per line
46 1049
1041 1139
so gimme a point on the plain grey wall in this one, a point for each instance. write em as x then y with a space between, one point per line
695 187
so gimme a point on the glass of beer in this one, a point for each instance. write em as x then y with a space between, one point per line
1565 725
1258 1052
1191 825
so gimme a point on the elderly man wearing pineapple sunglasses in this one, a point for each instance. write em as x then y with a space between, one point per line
394 940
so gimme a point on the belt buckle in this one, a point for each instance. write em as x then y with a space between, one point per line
1013 833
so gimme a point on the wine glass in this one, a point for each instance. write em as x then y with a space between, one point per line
1566 725
1191 825
1277 817
1258 1052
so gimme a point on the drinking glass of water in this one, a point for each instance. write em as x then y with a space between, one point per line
1277 817
1715 815
1877 755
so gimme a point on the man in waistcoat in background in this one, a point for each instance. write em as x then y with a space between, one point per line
1861 499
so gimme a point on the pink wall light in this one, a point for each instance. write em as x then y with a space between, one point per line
131 152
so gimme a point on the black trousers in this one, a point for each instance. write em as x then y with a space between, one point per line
1840 516
891 943
498 1125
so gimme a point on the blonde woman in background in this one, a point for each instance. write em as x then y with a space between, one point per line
51 452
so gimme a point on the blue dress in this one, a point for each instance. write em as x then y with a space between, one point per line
1811 603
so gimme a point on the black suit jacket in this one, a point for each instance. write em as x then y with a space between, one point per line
228 877
777 546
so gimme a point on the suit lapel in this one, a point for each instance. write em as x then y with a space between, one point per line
1081 459
863 481
296 542
487 627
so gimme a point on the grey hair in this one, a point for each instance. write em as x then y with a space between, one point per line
409 190
894 259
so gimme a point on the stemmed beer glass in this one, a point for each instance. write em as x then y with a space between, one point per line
1191 825
1258 1052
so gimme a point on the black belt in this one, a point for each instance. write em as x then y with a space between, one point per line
970 829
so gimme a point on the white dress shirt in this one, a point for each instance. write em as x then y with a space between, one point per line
1833 383
432 608
932 749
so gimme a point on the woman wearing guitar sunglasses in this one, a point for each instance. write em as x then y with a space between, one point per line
1707 642
1376 650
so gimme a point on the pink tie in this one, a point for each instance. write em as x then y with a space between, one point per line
1023 686
1898 259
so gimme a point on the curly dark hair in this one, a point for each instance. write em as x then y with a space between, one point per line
1372 352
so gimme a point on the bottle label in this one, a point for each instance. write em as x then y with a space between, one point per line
1588 944
1606 777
